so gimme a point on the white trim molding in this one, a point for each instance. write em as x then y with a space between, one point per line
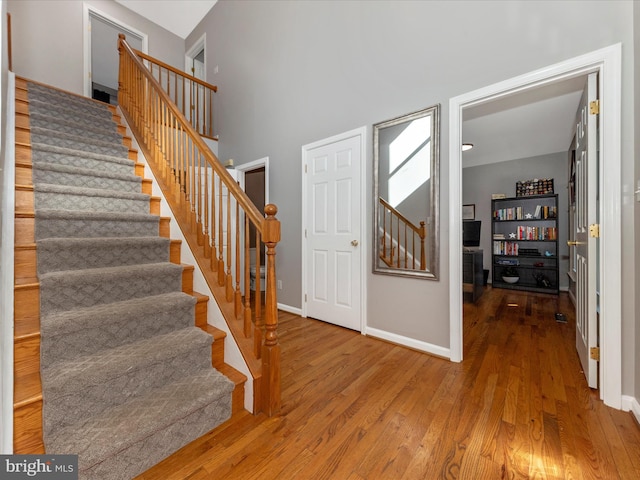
88 12
631 404
408 342
190 54
606 61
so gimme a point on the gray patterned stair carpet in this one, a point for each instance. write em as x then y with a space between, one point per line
126 377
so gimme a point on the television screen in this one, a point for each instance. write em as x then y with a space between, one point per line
471 233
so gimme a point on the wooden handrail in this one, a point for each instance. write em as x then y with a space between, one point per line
214 214
397 253
192 96
144 56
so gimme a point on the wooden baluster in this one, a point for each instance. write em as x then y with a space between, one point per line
214 259
207 240
258 333
398 240
271 349
229 279
406 246
220 236
238 293
199 200
197 112
210 129
423 258
247 277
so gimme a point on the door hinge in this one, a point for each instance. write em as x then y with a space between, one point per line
594 107
594 230
305 298
595 354
305 168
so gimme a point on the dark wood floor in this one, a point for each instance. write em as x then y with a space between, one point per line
354 408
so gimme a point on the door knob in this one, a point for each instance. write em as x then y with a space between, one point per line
354 243
573 243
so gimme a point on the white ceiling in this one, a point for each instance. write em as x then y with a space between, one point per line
528 124
524 125
179 17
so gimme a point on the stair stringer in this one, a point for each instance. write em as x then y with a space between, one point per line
232 353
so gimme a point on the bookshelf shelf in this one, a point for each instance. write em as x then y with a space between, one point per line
525 238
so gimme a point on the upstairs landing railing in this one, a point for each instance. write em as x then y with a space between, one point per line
215 216
402 244
192 96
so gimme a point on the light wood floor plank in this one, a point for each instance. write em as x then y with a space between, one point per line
357 408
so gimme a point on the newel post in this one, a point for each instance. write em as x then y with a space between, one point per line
271 347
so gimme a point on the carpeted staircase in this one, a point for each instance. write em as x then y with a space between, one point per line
126 377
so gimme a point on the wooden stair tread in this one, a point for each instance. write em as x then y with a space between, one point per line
216 333
26 328
236 376
27 389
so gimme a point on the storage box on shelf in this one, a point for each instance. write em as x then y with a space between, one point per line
525 243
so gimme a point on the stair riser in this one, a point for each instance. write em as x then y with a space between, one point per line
77 129
27 356
39 156
24 266
85 254
78 291
26 303
80 398
109 329
58 103
25 230
24 174
57 228
100 118
168 441
27 429
76 179
24 199
60 141
69 201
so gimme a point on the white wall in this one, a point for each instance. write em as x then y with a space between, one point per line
48 39
7 176
291 73
478 183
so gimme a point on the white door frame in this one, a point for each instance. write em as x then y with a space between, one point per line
88 12
364 247
194 50
607 62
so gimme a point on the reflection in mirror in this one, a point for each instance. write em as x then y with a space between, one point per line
406 192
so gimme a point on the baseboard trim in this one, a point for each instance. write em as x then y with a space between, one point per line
631 404
290 309
408 342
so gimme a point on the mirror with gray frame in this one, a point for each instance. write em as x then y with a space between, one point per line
406 158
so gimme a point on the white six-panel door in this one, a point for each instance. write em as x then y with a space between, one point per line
332 224
586 214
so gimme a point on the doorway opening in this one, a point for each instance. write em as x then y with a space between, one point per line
607 62
101 58
253 178
195 59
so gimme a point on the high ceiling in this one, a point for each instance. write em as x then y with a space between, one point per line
529 124
177 17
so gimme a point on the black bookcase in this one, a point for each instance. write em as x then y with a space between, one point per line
524 234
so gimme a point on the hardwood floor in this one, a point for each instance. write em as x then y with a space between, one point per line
354 407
